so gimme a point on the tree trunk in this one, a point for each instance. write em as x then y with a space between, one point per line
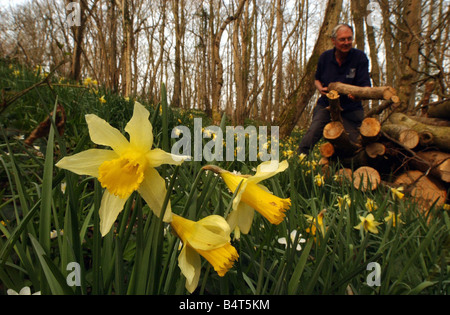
298 100
410 46
176 98
78 34
217 72
128 37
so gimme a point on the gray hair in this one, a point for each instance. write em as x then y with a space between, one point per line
338 27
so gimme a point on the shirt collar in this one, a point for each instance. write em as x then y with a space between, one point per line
347 59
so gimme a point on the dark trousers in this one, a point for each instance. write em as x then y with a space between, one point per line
321 116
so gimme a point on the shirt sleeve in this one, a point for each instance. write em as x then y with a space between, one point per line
362 72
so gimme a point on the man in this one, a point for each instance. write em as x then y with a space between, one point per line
343 64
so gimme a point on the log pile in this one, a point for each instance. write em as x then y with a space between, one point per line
403 150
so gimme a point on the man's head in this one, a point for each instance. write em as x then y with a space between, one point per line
342 38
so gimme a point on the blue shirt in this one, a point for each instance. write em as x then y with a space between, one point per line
354 71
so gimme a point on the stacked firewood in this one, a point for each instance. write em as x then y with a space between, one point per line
401 150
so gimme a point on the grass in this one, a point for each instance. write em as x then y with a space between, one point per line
139 256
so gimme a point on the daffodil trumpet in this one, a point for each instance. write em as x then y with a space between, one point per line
208 237
253 196
128 167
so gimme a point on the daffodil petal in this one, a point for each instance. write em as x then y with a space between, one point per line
86 162
110 208
190 264
102 133
216 224
242 217
153 190
158 157
139 128
210 233
268 169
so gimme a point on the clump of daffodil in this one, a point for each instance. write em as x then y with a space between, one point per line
128 167
208 237
254 196
393 218
371 205
368 223
319 180
316 224
343 200
397 193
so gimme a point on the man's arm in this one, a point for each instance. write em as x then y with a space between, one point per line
322 90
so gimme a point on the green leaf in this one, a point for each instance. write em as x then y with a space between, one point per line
55 280
299 268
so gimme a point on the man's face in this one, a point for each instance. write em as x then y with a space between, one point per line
344 40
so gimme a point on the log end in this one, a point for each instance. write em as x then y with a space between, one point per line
366 178
370 127
326 150
333 130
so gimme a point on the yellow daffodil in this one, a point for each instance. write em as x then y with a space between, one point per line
397 193
208 237
368 223
316 223
128 167
254 196
319 180
371 205
394 218
301 157
343 200
102 99
87 81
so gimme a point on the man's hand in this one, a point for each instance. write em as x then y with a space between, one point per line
323 90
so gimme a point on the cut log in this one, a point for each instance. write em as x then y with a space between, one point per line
436 162
343 175
441 134
335 133
406 136
441 110
363 93
375 149
326 150
370 129
424 189
366 178
335 106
